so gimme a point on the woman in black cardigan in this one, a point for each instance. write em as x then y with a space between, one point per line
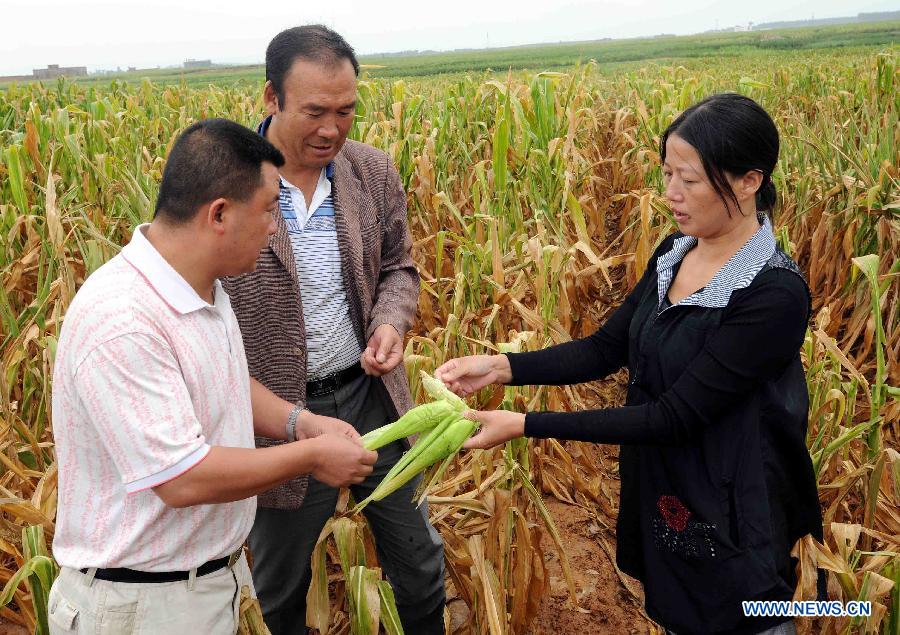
716 481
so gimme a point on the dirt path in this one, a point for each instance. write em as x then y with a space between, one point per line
606 605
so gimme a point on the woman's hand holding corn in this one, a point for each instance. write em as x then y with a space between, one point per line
465 375
497 427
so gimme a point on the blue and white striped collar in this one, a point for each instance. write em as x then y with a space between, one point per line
264 125
737 273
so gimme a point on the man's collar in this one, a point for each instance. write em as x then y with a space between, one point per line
168 283
264 126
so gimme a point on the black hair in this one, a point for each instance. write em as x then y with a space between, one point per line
213 158
733 134
310 42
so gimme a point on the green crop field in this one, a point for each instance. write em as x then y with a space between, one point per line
611 55
534 201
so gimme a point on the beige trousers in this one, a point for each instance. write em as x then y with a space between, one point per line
207 606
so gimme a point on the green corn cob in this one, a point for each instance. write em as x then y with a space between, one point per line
416 421
437 391
421 444
442 442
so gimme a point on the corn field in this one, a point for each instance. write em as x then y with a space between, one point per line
534 202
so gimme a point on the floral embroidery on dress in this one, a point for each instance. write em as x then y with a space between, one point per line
675 531
674 512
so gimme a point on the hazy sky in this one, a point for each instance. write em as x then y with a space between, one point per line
104 34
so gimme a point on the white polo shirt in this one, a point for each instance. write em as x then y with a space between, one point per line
147 377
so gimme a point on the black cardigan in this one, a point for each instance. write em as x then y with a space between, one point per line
716 479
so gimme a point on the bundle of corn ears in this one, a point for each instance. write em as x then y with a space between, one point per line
442 430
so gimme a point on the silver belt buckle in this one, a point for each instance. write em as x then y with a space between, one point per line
233 558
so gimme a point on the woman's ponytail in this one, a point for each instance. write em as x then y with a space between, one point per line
766 196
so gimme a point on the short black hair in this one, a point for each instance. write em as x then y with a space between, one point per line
314 42
732 134
213 158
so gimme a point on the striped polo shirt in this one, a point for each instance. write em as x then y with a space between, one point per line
331 343
331 340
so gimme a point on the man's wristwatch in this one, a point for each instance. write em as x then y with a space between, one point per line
290 428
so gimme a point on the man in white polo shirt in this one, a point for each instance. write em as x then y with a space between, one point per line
154 411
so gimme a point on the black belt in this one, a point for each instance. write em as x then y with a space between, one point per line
332 382
132 575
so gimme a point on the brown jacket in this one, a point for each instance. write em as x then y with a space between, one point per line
380 279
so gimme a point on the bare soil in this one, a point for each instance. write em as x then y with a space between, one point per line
7 628
606 605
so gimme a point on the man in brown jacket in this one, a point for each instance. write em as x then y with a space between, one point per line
323 319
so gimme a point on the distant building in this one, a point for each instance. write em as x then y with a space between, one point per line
198 63
55 70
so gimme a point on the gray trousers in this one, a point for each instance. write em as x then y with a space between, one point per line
410 551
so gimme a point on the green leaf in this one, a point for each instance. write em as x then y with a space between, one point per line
39 571
16 178
365 604
868 265
390 618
